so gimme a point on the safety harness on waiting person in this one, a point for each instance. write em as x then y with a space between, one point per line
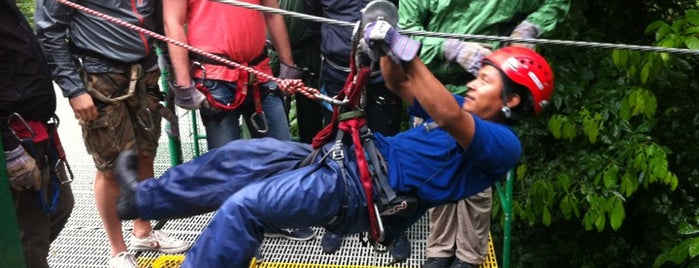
247 81
60 171
350 119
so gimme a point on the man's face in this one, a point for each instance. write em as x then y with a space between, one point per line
483 97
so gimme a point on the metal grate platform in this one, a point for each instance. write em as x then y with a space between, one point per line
83 242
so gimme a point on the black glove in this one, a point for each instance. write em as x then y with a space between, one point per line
289 72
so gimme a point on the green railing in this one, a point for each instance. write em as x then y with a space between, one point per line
11 253
506 201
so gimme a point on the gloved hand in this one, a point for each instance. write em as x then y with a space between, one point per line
380 38
292 79
467 54
525 30
22 170
289 72
188 97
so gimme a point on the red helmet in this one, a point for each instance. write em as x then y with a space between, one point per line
527 68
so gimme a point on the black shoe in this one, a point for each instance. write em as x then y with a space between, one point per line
330 242
400 248
126 169
303 234
438 262
462 264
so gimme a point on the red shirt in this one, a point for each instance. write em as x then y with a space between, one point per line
234 32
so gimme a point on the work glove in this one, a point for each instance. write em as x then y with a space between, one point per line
525 30
289 72
380 38
467 54
188 97
292 78
22 170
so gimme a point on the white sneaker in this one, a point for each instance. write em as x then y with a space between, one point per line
160 241
123 260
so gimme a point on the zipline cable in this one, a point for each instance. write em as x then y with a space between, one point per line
471 36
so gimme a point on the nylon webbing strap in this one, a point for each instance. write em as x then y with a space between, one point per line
352 126
378 164
240 94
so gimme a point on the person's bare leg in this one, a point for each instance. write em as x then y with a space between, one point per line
106 195
142 228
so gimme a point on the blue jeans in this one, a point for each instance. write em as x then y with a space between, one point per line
256 185
224 126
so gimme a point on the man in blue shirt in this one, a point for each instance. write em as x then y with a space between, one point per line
463 147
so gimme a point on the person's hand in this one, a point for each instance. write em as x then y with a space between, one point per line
289 72
188 97
525 30
380 38
83 107
467 54
22 170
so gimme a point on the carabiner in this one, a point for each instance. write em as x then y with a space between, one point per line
253 119
199 65
24 123
146 123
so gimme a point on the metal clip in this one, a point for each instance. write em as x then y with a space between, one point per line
337 153
24 123
262 118
199 65
64 172
145 118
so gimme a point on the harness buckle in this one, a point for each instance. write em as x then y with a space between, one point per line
337 153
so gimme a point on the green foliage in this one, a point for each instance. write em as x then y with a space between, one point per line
27 8
609 175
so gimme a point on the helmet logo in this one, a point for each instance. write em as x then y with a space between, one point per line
512 63
536 80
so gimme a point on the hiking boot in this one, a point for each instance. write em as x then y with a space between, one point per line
126 170
438 262
400 248
462 264
123 260
303 234
159 241
330 242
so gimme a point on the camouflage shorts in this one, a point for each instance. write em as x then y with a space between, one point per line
122 125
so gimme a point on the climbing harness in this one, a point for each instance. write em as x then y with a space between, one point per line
136 87
59 169
247 81
380 197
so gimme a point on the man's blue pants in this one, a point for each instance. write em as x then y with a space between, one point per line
256 185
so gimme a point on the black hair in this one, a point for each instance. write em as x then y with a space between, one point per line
525 108
526 103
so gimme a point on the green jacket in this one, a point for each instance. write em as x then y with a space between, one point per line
480 17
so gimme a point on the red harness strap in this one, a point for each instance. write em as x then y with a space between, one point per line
352 89
240 94
352 126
